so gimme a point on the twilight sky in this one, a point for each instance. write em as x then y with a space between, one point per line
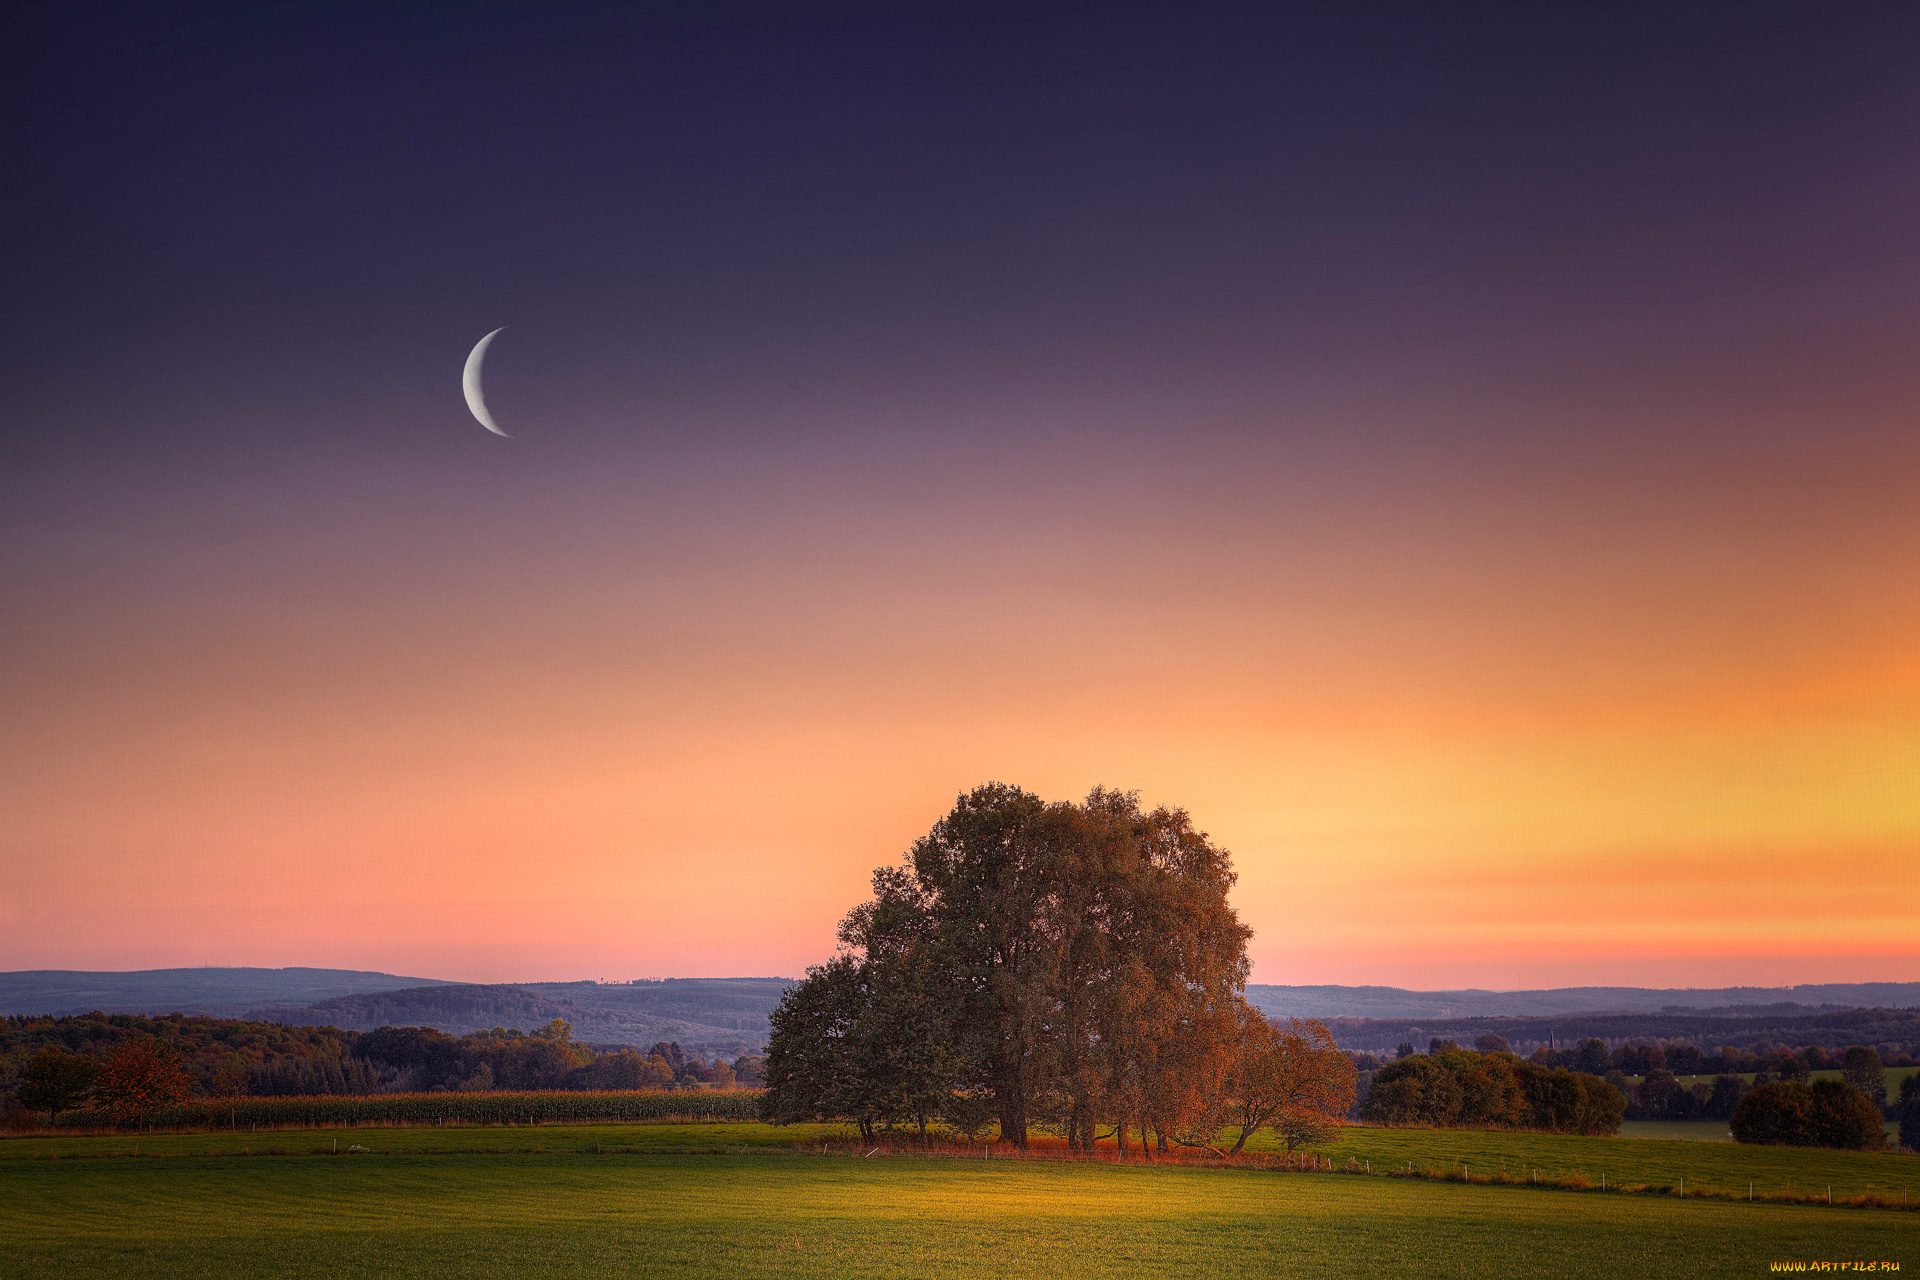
1466 455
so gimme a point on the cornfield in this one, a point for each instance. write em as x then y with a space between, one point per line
433 1108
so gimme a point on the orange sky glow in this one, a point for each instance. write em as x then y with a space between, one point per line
1455 738
1469 458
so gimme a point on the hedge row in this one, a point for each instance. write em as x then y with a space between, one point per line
430 1108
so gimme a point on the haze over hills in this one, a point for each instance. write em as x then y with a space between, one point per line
711 1017
726 1017
1394 1002
220 993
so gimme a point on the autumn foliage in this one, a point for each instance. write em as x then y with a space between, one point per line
1069 967
1295 1080
139 1077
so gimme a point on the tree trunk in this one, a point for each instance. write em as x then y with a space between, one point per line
1013 1106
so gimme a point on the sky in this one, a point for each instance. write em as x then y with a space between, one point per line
1464 455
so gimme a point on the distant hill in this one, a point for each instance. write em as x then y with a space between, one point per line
218 992
713 1017
1393 1002
728 1016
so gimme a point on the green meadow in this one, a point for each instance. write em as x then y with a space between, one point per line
1639 1161
748 1200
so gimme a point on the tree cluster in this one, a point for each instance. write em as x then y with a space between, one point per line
1451 1087
421 1059
52 1065
1680 1058
1068 966
1826 1113
1661 1097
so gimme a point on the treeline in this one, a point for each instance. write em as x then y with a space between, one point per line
1659 1095
1893 1033
1488 1086
55 1064
434 1108
1066 967
1639 1058
420 1059
1453 1087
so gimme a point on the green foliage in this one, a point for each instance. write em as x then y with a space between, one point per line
1077 965
1726 1095
56 1081
1457 1088
1861 1067
429 1108
1909 1113
274 1058
224 1057
1827 1113
813 1070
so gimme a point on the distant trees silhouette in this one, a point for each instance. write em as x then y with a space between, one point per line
56 1081
1075 966
1861 1067
1908 1111
1826 1113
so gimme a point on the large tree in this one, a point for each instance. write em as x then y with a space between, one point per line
1065 964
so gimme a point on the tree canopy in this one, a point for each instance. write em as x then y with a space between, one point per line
1826 1113
1075 966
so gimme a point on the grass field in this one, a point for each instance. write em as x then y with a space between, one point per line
1895 1076
1657 1162
747 1200
784 1214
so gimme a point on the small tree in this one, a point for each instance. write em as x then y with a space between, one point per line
1592 1057
55 1081
1726 1095
1910 1113
139 1077
232 1079
1862 1068
1316 1086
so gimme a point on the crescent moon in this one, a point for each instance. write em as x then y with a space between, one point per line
470 383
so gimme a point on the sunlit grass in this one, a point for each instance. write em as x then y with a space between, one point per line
571 1213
